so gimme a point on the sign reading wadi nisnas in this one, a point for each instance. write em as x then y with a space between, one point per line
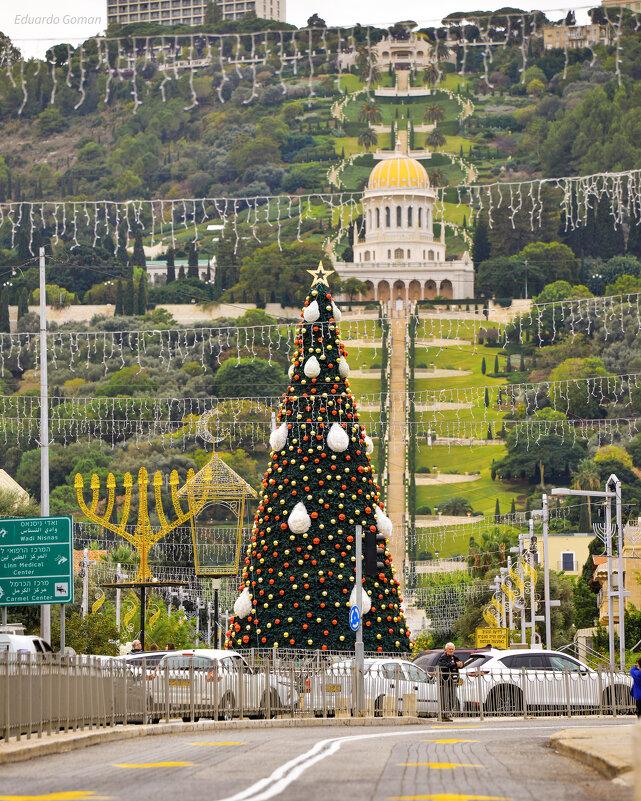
36 561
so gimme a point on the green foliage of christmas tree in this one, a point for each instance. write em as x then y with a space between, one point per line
299 576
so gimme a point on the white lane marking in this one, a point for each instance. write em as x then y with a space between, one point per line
283 776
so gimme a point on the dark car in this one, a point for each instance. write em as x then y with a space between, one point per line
428 659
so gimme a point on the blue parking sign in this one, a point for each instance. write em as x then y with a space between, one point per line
354 618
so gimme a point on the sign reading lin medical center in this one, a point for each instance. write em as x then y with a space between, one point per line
36 561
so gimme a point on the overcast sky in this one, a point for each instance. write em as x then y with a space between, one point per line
50 22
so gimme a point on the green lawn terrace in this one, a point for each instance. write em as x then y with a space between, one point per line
473 465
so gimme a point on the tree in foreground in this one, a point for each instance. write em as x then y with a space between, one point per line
299 575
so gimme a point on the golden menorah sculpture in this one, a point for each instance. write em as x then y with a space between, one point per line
144 536
215 483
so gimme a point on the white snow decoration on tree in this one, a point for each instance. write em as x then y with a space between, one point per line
383 523
369 445
312 367
278 438
243 605
343 367
311 313
299 521
366 601
290 372
336 312
338 438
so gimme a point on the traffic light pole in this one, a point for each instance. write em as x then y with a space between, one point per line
359 648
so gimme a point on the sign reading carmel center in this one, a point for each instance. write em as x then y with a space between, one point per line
496 638
36 561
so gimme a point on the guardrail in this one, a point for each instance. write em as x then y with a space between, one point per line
45 695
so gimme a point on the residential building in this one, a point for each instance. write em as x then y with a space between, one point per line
631 5
576 36
568 552
189 12
631 575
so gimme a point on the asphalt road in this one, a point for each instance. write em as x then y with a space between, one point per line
506 760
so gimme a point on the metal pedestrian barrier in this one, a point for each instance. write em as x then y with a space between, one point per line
45 694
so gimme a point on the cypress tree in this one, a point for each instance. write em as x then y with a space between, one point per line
192 261
483 366
497 509
513 508
121 251
522 364
486 399
142 296
119 311
138 257
508 364
4 311
481 245
23 302
129 299
496 364
489 431
181 272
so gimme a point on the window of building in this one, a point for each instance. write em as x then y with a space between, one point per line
409 253
389 254
423 254
420 218
388 217
378 218
410 215
430 255
398 253
367 255
399 216
567 561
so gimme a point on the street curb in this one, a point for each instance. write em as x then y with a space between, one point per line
583 749
62 743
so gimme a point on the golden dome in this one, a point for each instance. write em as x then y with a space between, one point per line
398 172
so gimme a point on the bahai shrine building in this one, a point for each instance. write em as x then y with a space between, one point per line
399 260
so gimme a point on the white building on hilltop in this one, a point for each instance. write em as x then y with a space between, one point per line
399 258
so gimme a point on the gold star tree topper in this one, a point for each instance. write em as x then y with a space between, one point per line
320 275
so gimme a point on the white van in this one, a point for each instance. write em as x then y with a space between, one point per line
23 644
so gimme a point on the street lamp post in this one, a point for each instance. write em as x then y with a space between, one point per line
612 490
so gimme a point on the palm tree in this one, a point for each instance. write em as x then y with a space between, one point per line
431 74
587 477
438 178
433 113
440 51
370 113
435 139
368 139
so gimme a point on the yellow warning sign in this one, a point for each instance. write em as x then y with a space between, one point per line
495 638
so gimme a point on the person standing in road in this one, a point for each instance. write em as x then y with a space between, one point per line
635 672
448 678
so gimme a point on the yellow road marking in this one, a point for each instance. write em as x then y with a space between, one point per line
448 797
451 740
72 795
154 764
229 743
439 765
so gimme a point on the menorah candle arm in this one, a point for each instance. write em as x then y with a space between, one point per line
122 528
158 497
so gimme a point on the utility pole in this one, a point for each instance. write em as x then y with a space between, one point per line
608 553
118 579
45 610
532 586
546 572
85 582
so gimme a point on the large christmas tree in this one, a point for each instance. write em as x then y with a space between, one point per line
300 567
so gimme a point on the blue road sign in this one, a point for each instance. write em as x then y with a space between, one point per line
354 618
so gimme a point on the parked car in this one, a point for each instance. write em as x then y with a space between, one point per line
429 659
23 644
513 681
204 682
329 688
